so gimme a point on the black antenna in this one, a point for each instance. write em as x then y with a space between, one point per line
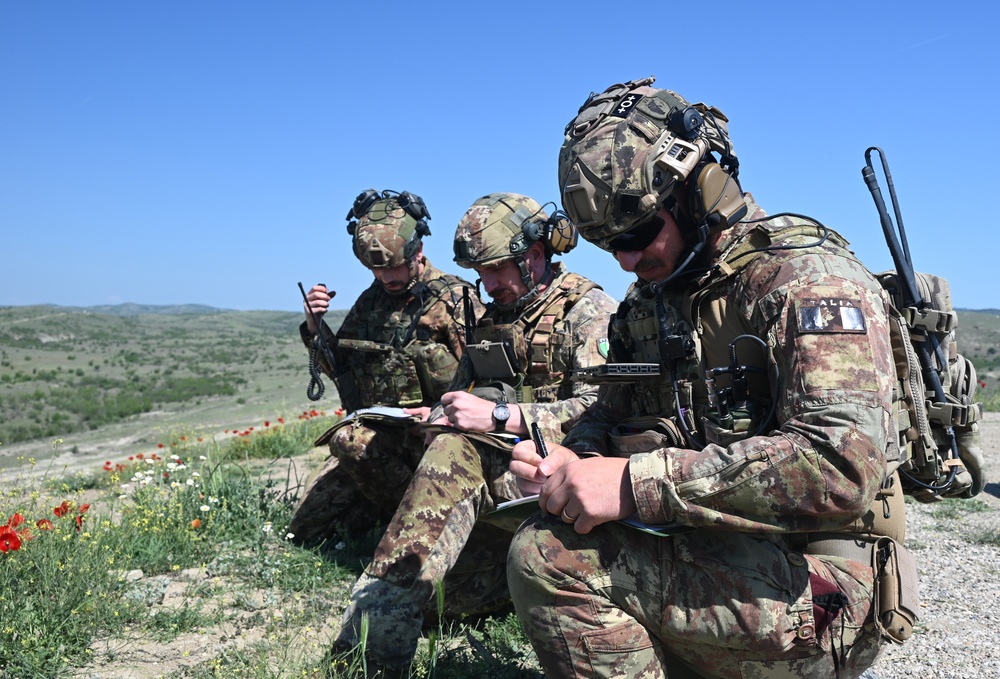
910 297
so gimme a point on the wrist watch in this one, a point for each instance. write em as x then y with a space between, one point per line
501 413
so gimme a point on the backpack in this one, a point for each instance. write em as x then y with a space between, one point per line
940 445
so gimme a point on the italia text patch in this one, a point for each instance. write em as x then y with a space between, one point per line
626 105
830 314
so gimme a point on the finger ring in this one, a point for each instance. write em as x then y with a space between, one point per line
567 518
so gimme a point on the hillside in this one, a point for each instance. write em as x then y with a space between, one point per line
66 372
125 373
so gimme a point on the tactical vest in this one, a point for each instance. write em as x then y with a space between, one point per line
525 361
396 362
703 367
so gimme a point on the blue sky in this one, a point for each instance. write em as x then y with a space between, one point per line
207 152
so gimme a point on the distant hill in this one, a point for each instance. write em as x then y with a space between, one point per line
66 369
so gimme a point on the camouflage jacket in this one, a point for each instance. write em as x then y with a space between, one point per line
399 349
818 462
581 340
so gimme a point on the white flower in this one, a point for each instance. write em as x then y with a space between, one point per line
289 536
123 496
204 508
189 482
213 500
195 474
124 486
171 466
175 456
175 484
202 457
150 461
266 527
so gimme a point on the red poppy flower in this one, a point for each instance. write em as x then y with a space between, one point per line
196 523
61 510
10 541
15 520
267 423
44 524
281 420
83 508
159 445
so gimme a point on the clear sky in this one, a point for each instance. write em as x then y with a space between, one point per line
208 152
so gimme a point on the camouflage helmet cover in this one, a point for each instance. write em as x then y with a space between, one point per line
493 229
386 236
627 150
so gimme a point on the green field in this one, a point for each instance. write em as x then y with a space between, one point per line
129 370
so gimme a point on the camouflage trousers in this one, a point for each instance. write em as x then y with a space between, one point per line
435 537
359 485
618 602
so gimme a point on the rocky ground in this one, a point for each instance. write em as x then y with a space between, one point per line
957 547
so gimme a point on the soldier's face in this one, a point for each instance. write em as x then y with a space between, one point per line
395 280
502 282
658 259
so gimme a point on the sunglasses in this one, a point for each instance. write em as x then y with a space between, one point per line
638 238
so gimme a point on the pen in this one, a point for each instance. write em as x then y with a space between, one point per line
536 436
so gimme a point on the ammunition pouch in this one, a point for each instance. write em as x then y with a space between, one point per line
381 374
436 366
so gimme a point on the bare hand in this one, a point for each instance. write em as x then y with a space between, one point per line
531 469
589 492
318 301
423 411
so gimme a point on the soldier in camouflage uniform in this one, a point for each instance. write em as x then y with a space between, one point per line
542 322
763 443
399 345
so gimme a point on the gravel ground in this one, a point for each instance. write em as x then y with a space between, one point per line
957 546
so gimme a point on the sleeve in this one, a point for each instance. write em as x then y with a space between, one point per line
825 321
589 322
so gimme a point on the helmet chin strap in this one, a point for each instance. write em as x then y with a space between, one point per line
532 287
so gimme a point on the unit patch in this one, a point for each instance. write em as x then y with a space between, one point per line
830 314
603 346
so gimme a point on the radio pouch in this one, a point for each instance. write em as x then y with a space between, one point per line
895 590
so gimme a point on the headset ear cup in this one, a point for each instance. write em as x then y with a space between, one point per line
716 198
422 228
561 235
352 226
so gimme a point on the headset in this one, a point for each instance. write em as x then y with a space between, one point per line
556 232
682 153
411 203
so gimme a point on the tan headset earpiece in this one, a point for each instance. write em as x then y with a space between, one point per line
714 197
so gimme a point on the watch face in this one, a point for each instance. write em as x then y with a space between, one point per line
501 412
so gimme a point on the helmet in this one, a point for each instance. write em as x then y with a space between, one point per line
387 227
629 151
504 225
